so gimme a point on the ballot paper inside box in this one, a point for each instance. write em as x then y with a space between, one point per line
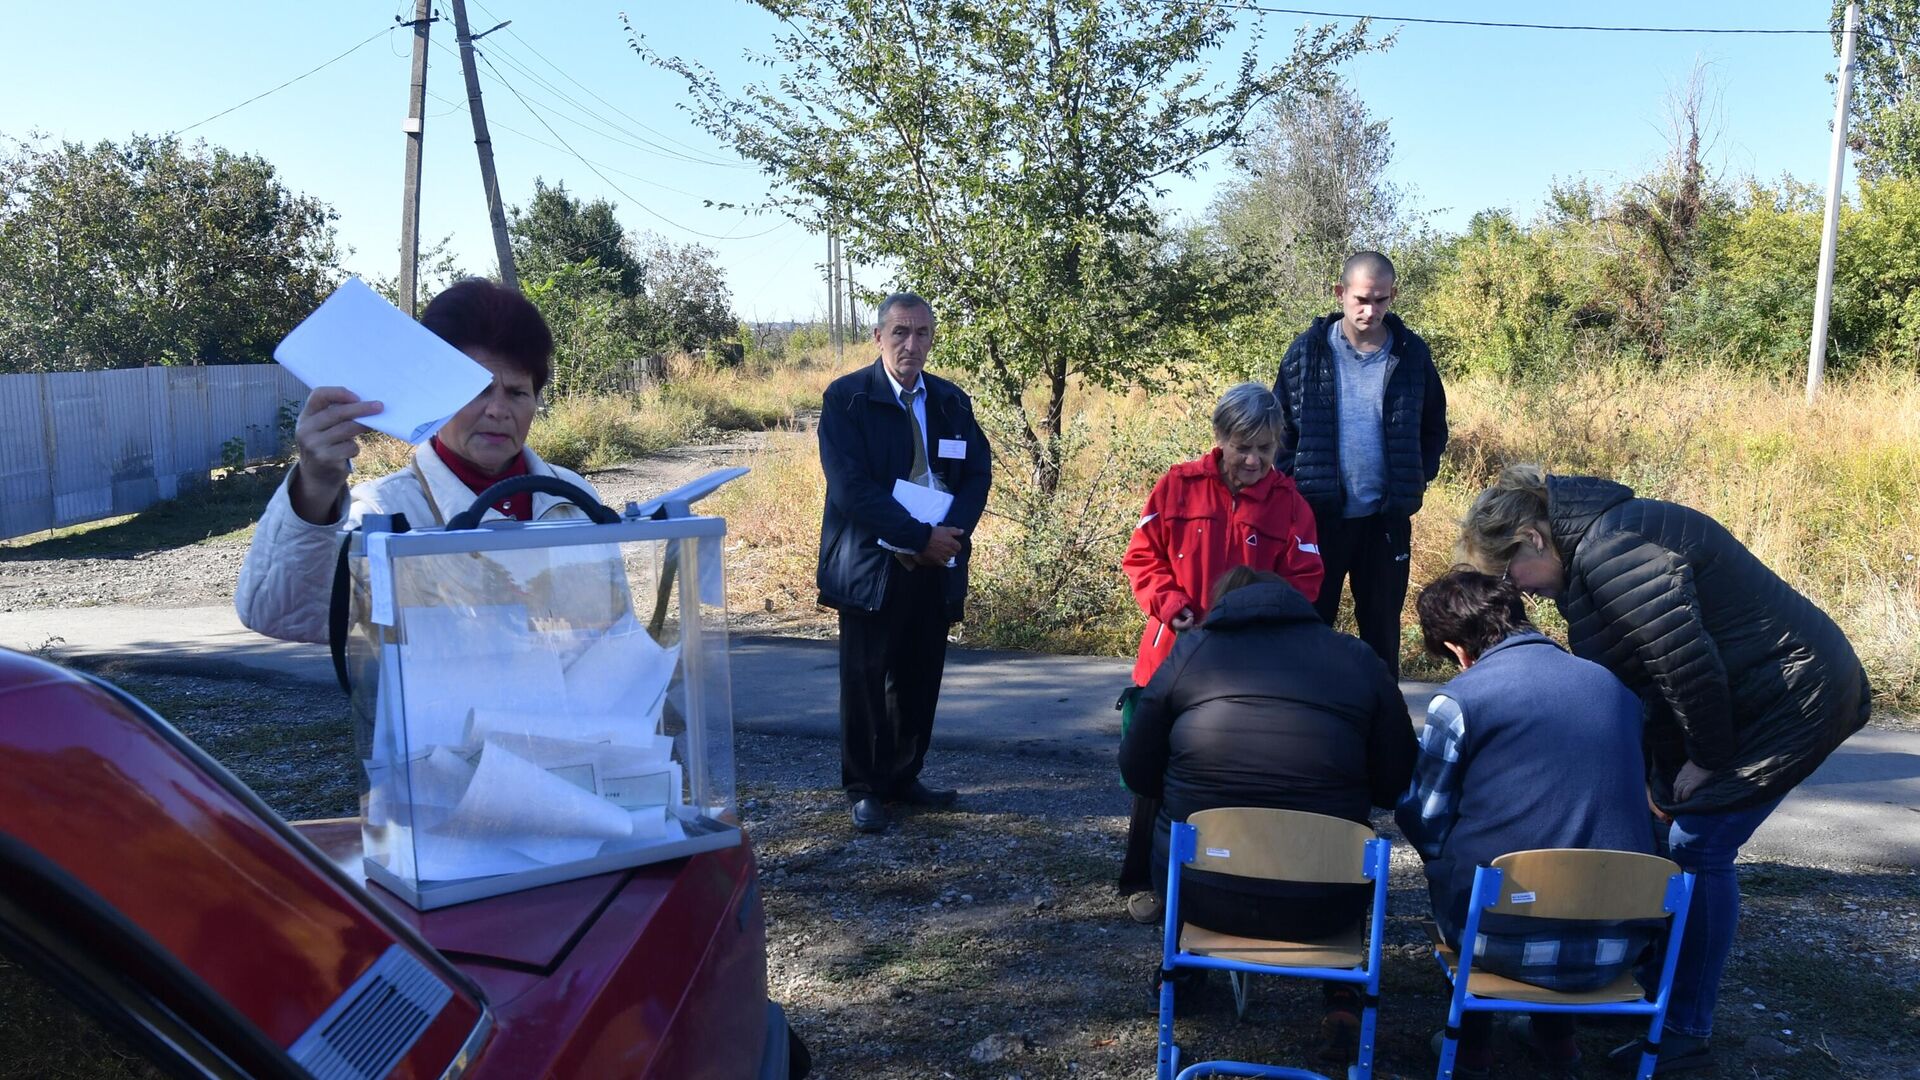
538 702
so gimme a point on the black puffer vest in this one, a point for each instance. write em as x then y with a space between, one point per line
1414 416
1740 673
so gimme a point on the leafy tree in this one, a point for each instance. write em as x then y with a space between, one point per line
152 252
1005 157
1883 119
1310 189
557 230
595 336
689 307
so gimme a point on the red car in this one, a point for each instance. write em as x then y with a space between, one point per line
163 897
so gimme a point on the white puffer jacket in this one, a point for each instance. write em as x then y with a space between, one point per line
287 579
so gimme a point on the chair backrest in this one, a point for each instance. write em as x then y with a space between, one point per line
1279 845
1577 883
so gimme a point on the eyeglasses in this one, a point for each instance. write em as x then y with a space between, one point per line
1506 576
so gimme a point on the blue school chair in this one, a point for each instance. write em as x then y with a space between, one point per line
1611 886
1273 845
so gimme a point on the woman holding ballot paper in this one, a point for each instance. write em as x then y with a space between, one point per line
1228 508
284 584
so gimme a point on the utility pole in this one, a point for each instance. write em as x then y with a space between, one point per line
484 145
849 300
1830 235
415 127
834 334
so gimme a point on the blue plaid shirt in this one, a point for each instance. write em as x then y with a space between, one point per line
1551 953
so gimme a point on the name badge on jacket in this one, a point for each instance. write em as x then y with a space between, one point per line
953 448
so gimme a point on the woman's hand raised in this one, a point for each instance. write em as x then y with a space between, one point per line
327 435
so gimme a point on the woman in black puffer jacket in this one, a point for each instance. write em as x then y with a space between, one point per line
1748 686
1265 705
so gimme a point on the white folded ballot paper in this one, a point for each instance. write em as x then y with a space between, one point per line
357 340
925 504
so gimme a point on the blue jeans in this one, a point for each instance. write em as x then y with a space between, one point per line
1706 845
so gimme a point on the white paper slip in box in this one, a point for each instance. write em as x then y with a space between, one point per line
357 340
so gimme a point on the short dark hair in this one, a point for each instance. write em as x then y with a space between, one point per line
1372 262
1239 578
1473 610
477 313
899 299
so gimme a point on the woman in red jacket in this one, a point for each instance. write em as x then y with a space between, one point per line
1229 508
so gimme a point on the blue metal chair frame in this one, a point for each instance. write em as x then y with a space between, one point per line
1487 882
1367 977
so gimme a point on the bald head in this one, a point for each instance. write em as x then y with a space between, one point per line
1368 264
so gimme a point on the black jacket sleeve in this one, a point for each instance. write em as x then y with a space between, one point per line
853 484
1433 422
1659 620
1391 747
1147 746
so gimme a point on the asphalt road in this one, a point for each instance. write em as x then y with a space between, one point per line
1861 808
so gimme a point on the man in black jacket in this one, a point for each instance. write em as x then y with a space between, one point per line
897 581
1366 424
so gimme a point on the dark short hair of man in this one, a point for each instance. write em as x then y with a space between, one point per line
899 299
1473 610
1371 263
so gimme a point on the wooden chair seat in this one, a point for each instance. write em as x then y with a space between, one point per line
1488 985
1340 951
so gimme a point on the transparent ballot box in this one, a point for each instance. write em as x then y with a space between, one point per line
539 701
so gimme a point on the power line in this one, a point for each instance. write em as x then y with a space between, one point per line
644 145
641 124
1310 13
456 106
369 39
603 176
663 151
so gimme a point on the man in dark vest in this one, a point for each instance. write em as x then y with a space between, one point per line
1366 424
897 579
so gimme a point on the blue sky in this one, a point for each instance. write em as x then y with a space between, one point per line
1480 117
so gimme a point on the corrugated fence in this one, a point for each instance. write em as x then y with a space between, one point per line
81 445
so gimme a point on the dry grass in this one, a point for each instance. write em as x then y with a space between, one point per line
1829 497
695 401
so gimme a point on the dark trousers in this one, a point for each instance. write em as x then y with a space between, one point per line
890 666
1373 552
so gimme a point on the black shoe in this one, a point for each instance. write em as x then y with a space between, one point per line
915 793
869 816
1520 1030
1678 1053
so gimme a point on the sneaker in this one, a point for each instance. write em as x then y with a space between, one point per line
1339 1037
1678 1053
1146 909
1520 1030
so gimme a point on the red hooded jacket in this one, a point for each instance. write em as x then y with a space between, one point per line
1194 530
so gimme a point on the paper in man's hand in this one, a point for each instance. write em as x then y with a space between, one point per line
357 340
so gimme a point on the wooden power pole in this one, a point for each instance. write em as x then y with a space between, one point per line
415 127
502 246
1830 234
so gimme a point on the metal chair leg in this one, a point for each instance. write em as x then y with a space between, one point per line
1242 982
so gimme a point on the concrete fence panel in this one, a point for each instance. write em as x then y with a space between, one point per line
78 446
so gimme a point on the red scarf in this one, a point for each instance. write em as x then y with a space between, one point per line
518 507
